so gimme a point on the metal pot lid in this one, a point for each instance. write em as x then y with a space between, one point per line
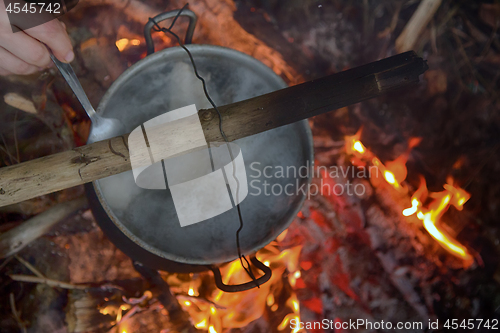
165 81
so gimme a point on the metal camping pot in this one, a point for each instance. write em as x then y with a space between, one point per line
143 223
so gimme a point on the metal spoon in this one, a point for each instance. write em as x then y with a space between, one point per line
102 128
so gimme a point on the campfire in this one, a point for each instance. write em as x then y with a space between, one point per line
213 310
399 223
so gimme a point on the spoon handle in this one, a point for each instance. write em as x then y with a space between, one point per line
70 77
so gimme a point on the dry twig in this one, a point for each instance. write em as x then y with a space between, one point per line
30 267
16 313
424 13
49 282
6 150
18 157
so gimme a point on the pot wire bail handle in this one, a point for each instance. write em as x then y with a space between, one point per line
243 286
153 24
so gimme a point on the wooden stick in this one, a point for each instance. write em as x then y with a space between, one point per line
102 159
17 238
161 290
17 314
30 267
411 32
49 282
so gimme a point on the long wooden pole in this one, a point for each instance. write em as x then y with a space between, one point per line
109 157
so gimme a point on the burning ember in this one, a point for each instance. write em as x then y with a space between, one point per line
436 204
221 310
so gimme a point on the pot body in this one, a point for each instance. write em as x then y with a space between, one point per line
143 223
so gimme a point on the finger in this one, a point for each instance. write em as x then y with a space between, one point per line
56 38
26 48
14 65
4 72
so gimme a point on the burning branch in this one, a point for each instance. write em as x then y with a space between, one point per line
395 173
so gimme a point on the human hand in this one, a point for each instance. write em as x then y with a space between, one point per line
24 52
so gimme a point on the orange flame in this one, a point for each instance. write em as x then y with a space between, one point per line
431 221
459 196
123 43
395 172
417 198
398 166
237 310
413 209
353 145
388 174
431 217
